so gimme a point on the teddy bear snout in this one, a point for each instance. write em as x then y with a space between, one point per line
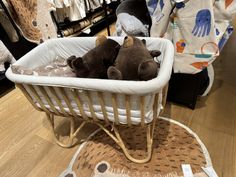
70 59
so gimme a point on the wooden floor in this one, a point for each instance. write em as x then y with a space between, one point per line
27 147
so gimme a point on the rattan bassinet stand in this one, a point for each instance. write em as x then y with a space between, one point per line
106 103
74 131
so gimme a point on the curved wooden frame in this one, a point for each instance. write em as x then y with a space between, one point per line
115 136
38 95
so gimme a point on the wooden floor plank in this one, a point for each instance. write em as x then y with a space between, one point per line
26 158
49 165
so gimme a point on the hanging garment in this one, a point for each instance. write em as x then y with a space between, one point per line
197 33
160 11
33 19
7 26
194 37
223 11
72 10
94 4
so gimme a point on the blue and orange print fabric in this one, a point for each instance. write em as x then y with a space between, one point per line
198 29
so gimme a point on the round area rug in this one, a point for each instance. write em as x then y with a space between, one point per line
174 144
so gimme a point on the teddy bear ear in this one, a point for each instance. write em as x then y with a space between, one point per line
155 53
128 41
144 41
78 64
100 40
114 73
70 59
148 70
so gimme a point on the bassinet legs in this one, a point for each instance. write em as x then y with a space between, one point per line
38 95
72 133
115 136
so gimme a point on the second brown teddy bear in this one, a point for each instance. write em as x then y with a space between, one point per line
134 61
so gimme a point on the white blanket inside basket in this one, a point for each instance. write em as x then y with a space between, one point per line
135 111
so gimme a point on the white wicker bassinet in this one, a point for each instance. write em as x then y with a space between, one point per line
100 101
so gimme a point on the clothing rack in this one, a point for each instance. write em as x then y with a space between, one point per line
62 26
76 28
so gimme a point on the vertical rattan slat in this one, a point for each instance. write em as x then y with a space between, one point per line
78 103
127 106
90 103
115 108
27 95
38 99
57 99
164 97
43 91
142 105
67 100
155 105
102 103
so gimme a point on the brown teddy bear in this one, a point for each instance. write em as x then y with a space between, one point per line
134 61
94 63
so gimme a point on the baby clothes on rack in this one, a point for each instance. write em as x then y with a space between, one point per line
73 10
107 1
78 27
64 9
93 4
